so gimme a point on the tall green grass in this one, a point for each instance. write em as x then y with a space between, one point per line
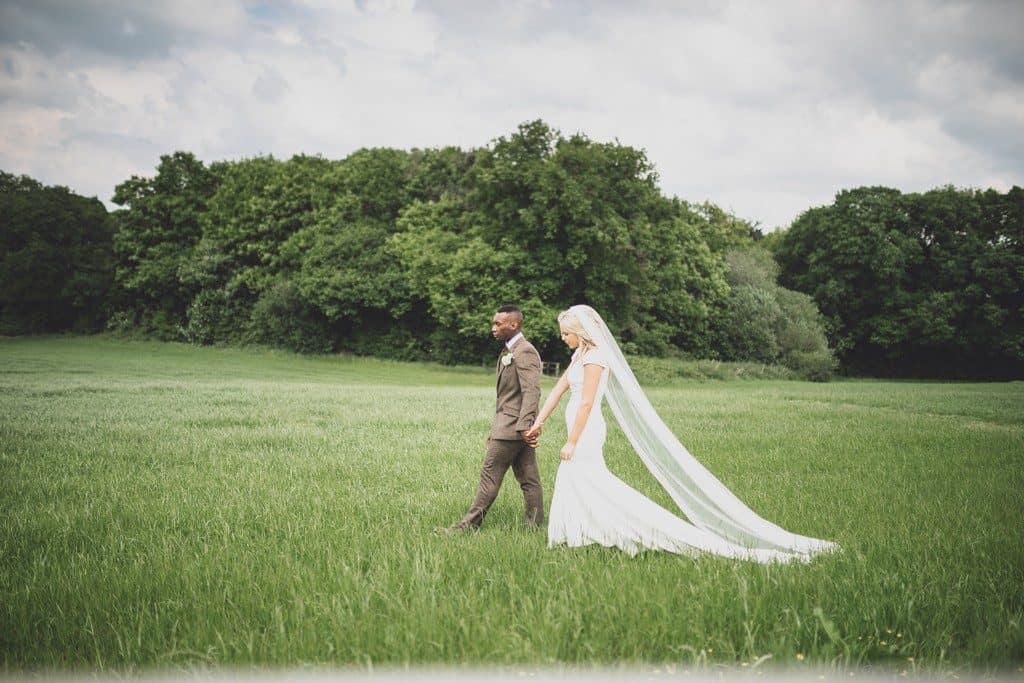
164 505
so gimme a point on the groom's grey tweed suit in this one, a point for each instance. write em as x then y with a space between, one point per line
518 389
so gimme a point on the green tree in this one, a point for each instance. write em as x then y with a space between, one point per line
156 236
56 262
921 284
259 204
378 178
460 279
580 221
723 231
340 265
436 174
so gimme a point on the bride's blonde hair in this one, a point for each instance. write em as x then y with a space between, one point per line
570 322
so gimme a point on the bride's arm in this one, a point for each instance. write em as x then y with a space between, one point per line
549 405
591 378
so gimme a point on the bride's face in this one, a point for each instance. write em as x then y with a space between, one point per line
571 339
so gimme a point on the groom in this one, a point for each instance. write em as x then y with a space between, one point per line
518 389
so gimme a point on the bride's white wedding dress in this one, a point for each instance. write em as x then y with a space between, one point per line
592 505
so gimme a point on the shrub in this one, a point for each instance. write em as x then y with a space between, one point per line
282 318
761 321
747 326
214 316
801 336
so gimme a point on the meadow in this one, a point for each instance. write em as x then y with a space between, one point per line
163 505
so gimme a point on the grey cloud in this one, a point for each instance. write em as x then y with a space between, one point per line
118 29
129 30
1002 141
991 33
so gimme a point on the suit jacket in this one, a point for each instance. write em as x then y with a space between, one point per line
518 389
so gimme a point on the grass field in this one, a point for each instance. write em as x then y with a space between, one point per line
164 505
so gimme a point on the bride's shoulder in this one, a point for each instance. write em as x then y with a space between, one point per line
595 356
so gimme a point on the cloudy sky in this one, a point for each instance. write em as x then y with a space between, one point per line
765 107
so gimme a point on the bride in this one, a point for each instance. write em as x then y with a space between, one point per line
592 505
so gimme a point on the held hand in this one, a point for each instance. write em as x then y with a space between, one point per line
567 451
533 432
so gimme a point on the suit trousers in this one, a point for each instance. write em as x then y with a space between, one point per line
502 454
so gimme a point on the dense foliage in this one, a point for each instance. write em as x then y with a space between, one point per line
406 254
928 284
56 261
761 321
156 239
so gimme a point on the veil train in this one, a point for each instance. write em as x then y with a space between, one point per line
705 501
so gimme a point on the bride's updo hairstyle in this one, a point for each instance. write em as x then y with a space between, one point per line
570 322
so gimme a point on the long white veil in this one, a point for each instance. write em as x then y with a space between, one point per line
705 501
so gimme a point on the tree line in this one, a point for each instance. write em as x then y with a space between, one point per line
923 284
405 254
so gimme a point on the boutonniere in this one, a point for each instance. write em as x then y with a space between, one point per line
506 360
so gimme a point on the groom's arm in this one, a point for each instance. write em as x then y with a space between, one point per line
529 383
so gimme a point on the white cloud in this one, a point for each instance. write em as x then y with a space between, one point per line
765 108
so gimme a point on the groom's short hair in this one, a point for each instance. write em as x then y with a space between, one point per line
514 311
